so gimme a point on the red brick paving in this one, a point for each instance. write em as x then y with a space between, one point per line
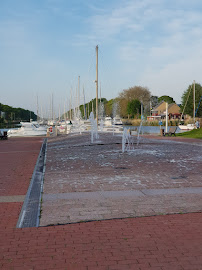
17 158
164 242
161 242
9 213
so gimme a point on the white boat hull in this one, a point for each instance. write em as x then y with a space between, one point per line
108 121
187 127
27 130
117 121
26 134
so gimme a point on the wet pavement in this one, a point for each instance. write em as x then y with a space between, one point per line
95 181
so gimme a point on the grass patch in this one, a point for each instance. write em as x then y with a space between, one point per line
195 134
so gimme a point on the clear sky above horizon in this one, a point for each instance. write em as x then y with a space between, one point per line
46 44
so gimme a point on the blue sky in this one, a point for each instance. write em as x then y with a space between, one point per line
46 44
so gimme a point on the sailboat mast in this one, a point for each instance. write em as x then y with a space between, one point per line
64 112
78 94
41 113
67 110
50 114
100 93
84 106
194 101
97 84
52 106
37 104
71 104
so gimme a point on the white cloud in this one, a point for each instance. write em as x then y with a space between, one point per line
174 77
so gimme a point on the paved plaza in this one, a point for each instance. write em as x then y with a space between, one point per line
95 181
125 197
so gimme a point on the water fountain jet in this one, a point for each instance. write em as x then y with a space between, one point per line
94 129
127 141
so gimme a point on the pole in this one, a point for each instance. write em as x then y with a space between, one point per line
67 110
37 102
78 94
50 115
84 105
194 102
100 93
52 106
71 104
78 91
141 111
166 117
64 113
150 107
41 113
97 84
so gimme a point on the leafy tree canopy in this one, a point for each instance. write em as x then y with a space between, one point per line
167 99
154 101
17 113
109 107
91 105
134 107
137 92
187 100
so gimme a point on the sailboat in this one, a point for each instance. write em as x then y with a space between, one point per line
189 126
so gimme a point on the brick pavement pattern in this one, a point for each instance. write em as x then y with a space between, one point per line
161 242
165 242
17 161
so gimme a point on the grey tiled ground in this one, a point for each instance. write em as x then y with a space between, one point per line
16 198
85 181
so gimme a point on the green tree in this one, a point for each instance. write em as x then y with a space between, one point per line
154 101
109 107
167 99
134 107
17 113
91 105
187 100
137 92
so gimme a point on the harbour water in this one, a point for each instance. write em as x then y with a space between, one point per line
151 129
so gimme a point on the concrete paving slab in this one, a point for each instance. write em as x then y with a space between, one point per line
17 198
172 191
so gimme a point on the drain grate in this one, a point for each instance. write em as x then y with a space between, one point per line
29 216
